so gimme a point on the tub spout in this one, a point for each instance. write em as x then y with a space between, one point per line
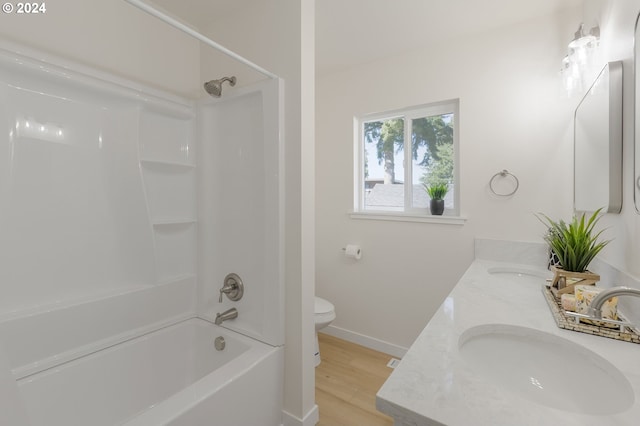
226 315
597 302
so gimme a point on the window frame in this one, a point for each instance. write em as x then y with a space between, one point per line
451 106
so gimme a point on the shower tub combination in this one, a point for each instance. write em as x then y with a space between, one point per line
115 325
173 376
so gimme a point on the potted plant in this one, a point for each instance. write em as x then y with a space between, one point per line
436 193
575 245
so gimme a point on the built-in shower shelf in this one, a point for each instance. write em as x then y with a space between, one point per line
166 163
168 221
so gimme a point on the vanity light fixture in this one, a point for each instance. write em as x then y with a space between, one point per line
578 64
583 44
571 79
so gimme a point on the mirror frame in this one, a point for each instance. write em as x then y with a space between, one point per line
614 132
636 117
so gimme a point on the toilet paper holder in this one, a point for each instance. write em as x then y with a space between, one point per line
353 251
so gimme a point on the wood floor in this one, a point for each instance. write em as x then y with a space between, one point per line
347 381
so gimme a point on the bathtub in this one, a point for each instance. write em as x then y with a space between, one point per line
173 376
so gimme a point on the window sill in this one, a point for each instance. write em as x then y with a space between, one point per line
408 217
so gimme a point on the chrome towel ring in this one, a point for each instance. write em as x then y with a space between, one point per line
503 174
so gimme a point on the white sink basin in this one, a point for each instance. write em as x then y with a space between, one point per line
546 369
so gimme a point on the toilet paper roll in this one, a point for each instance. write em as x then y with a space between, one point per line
353 251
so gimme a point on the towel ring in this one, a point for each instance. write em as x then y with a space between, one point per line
504 173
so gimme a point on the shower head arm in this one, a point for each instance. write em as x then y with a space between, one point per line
231 80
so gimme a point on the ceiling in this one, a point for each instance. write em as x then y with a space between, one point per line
351 32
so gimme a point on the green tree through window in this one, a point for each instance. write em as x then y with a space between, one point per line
388 137
402 150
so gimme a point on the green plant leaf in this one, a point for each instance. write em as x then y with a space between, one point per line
436 191
575 243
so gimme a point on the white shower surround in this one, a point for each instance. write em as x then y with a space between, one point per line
240 200
100 215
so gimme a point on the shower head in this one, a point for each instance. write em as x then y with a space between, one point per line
214 87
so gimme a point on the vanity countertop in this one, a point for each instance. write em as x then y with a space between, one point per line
434 385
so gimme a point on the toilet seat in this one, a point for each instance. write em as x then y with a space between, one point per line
323 306
324 313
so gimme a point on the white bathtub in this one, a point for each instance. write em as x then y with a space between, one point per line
173 376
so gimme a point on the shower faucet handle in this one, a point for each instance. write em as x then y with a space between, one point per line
232 287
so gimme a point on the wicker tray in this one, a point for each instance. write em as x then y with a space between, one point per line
619 330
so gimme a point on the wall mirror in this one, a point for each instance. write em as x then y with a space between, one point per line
598 144
636 173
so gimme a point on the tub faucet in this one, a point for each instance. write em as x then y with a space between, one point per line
226 315
595 308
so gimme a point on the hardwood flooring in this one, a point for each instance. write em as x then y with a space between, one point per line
347 381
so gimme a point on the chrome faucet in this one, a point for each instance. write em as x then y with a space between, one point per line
226 315
595 308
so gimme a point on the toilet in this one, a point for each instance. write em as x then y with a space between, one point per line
324 314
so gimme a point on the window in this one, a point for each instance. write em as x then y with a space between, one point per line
417 145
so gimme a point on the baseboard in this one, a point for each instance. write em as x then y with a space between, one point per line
366 341
310 419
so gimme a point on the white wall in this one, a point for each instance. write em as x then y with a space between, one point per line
513 115
113 36
279 36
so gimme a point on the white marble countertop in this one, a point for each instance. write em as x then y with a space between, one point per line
434 385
